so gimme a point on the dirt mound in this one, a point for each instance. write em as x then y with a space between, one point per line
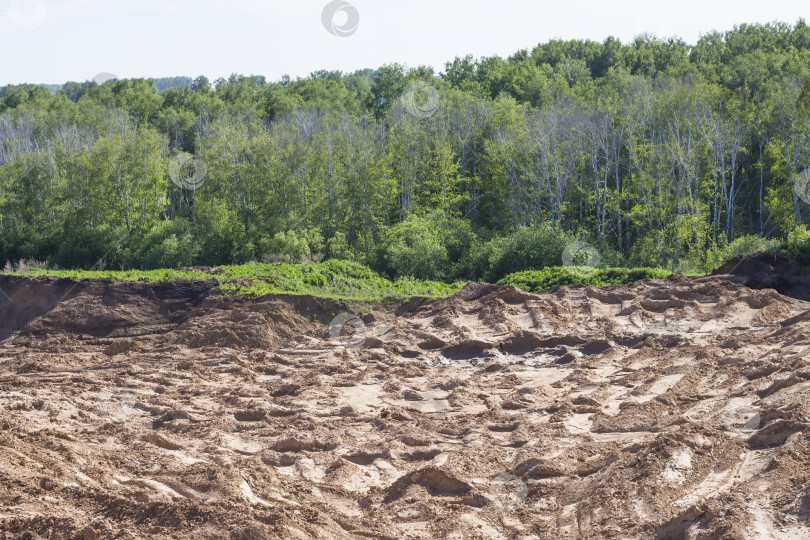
768 271
670 408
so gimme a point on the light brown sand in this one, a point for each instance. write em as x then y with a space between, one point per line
673 408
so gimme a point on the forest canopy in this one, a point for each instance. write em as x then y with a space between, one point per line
655 152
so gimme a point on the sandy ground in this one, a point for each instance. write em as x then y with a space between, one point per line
676 408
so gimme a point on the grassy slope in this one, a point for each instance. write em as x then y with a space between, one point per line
541 280
351 281
331 279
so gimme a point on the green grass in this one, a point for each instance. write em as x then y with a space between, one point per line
331 279
541 280
344 280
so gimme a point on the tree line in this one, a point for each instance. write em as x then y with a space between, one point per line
656 152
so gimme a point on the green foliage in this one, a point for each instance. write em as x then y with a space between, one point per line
747 245
331 279
431 247
719 253
413 248
290 246
88 247
527 248
170 244
541 280
172 252
338 247
655 152
649 250
797 247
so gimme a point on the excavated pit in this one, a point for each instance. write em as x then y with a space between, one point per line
672 408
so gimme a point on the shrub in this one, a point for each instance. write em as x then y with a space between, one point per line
335 270
749 244
315 242
797 247
244 253
541 280
525 249
220 235
97 248
338 247
433 247
649 250
291 245
316 279
170 244
716 255
415 252
173 252
705 260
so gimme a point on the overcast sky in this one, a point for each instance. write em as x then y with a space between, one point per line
53 41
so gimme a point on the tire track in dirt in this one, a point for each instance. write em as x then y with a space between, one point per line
639 411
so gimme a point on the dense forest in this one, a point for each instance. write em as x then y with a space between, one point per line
655 153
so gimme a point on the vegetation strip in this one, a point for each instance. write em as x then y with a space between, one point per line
330 279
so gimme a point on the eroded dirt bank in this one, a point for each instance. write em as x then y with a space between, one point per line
676 408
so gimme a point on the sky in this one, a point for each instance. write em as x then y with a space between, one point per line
53 41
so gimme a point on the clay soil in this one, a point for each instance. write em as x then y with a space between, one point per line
673 408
